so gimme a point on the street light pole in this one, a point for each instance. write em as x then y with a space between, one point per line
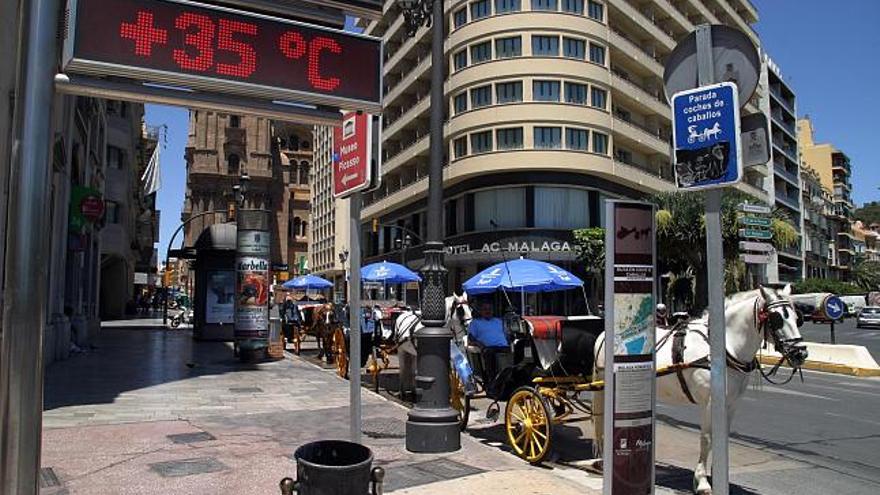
432 425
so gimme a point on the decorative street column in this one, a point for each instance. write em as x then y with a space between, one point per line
432 425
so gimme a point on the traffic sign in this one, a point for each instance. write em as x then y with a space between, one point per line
762 247
352 154
755 259
755 221
755 234
706 137
220 50
752 208
833 307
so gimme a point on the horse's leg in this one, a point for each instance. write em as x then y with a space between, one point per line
598 416
701 479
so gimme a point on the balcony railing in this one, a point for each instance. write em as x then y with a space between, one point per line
781 170
791 201
637 47
656 94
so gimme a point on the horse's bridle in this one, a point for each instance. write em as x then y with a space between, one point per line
770 322
456 306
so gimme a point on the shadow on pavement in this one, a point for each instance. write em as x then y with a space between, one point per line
132 357
681 479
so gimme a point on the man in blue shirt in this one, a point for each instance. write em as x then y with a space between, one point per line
488 332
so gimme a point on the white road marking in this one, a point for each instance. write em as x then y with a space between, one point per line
795 392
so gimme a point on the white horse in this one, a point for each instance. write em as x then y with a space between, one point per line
751 318
458 316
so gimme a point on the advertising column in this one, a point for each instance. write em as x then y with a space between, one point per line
629 354
252 283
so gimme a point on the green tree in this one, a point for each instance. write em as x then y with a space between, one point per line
590 248
811 285
865 274
869 213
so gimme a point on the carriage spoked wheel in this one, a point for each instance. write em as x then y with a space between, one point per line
529 424
340 353
459 399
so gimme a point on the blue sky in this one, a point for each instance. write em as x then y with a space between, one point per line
826 51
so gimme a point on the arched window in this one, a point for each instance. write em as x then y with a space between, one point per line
294 142
304 225
297 226
303 172
233 163
234 121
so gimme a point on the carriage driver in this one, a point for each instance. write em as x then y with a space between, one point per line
487 331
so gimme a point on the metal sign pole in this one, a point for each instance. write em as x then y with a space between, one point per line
354 315
715 269
27 248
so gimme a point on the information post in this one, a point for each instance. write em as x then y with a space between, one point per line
252 282
629 351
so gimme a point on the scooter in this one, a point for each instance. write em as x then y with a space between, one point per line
184 316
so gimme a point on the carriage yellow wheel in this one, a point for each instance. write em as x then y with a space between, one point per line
340 353
529 425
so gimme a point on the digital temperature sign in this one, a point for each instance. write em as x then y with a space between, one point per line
222 50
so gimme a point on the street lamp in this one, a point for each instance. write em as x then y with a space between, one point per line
343 257
432 425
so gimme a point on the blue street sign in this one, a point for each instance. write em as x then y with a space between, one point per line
834 307
705 134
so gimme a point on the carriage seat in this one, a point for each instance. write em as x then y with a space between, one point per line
564 345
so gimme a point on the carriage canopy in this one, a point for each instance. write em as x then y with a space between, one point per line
522 275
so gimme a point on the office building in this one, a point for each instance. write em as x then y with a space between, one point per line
833 169
553 106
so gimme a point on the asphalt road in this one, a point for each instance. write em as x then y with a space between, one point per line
845 333
830 422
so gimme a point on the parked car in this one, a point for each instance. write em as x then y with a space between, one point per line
869 317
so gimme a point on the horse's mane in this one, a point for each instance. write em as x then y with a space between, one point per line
735 298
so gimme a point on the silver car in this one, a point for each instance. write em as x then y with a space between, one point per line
869 317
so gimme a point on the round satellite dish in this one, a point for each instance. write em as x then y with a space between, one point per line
735 57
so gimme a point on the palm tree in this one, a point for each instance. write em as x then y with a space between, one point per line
865 273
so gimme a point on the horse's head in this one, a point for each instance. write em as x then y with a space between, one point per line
780 323
459 312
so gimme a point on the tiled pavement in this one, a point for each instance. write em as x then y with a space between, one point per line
149 411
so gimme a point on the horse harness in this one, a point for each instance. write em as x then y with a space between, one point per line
678 334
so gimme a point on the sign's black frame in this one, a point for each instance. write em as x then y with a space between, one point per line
213 85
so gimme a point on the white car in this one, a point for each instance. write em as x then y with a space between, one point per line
869 317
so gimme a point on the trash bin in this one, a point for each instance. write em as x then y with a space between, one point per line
334 467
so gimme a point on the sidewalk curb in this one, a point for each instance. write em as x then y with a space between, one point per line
840 369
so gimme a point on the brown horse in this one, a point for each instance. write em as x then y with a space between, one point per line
323 324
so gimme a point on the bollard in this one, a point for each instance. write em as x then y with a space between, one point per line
334 467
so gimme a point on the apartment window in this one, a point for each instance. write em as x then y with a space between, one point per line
573 6
597 54
509 92
481 52
576 139
234 121
481 142
460 147
460 17
576 93
459 60
481 97
561 208
598 98
502 6
232 164
600 143
546 46
545 90
510 139
545 5
115 157
480 9
624 156
596 10
460 102
508 47
574 48
548 137
502 208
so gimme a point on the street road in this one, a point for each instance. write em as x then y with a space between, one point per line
845 333
829 422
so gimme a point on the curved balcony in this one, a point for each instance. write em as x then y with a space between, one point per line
524 67
526 22
528 113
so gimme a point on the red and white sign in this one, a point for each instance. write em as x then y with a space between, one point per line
352 154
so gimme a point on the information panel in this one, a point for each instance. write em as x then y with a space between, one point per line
222 50
630 365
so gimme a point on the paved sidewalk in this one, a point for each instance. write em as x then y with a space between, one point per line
149 411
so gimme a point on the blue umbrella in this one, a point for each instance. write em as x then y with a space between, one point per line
389 273
307 282
522 275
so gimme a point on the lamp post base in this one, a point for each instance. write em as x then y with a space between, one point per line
424 436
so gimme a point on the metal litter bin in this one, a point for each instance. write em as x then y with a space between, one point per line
334 467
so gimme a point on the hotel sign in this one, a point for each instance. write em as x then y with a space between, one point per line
513 246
